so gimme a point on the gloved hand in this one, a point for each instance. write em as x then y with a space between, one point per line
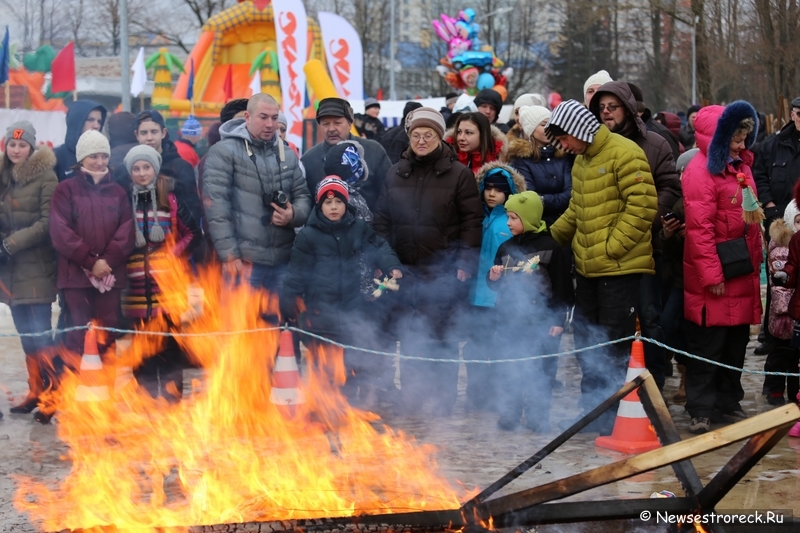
780 278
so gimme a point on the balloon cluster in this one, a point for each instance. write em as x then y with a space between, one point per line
469 65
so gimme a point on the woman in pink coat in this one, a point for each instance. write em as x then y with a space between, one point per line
719 311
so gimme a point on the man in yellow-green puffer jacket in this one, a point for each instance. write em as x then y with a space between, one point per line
607 223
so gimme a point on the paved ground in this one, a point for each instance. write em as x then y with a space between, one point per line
471 449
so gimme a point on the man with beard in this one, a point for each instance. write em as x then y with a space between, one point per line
615 106
335 118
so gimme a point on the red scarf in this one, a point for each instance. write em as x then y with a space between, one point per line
472 160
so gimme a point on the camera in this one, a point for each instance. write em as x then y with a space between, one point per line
279 198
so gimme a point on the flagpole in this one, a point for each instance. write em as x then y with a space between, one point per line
125 55
141 101
8 93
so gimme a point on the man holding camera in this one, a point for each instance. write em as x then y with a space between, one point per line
255 194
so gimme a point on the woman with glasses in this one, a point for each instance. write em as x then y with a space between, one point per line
476 142
430 212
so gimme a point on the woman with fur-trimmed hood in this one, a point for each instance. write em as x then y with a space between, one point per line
546 169
476 142
717 185
27 257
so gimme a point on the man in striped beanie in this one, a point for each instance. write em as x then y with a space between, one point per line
608 224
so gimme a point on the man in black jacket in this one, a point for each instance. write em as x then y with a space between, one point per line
335 118
775 172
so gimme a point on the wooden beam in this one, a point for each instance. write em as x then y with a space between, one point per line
660 417
555 443
740 464
641 463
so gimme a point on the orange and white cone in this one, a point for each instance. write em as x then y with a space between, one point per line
286 392
633 432
92 378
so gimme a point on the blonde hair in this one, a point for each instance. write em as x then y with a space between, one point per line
745 127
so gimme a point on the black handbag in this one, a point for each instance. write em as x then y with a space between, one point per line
735 257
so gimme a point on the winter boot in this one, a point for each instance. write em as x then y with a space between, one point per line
680 396
35 387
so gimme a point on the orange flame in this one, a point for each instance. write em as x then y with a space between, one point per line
225 453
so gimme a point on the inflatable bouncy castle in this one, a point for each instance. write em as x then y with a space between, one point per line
231 47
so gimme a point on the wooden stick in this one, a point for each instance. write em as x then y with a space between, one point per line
8 93
645 462
558 441
141 101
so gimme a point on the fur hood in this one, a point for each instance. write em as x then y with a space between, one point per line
780 233
519 181
518 146
498 136
42 160
714 128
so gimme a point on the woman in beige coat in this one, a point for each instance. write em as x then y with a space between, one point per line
27 258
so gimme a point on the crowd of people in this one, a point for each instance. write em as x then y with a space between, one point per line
595 215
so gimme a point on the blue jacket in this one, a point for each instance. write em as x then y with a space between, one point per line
495 233
76 116
550 176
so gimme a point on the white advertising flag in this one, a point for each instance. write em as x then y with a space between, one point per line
343 52
255 83
292 36
139 78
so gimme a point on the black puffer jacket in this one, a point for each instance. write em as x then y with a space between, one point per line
777 169
395 141
324 271
431 213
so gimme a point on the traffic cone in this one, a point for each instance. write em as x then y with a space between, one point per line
286 392
633 432
92 378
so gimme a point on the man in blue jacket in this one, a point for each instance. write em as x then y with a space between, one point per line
83 115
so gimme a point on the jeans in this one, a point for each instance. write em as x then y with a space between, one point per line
672 322
605 309
650 322
33 318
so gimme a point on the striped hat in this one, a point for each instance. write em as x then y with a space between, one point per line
574 119
332 186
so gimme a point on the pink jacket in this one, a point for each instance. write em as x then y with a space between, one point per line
713 204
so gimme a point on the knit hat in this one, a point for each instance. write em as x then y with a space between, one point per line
465 104
335 107
409 107
232 108
151 115
530 99
796 102
789 214
491 97
529 208
498 178
684 158
598 78
142 152
425 117
332 186
91 142
532 116
692 109
192 127
371 102
346 161
573 119
282 119
450 98
22 130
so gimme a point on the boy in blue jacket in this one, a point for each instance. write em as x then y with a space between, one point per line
496 182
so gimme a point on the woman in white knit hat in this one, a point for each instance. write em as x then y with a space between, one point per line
91 226
547 170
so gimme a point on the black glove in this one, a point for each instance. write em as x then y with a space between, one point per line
780 278
5 255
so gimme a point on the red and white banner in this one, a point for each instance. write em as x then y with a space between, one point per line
292 36
343 52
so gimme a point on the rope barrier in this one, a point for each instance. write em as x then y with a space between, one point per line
118 331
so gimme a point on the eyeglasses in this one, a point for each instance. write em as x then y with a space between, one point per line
610 107
428 137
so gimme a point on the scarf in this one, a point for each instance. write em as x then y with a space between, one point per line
473 161
156 234
96 176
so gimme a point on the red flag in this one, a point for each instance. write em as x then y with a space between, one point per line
227 85
63 70
379 96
